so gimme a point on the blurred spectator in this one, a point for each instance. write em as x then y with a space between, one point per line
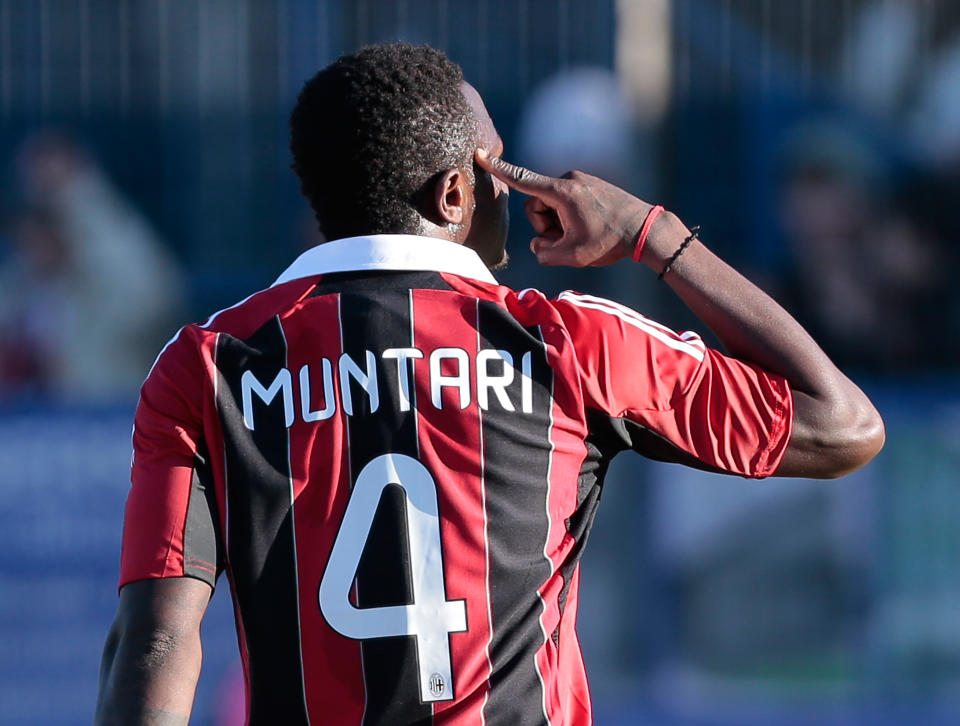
38 254
869 280
88 292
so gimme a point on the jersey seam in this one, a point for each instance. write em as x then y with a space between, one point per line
775 434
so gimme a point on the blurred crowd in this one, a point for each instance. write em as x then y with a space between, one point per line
871 223
87 288
871 254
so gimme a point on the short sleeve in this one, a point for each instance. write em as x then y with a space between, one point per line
171 524
668 392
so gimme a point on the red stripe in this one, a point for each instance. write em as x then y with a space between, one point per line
333 674
449 447
245 318
205 568
575 695
242 644
212 432
567 435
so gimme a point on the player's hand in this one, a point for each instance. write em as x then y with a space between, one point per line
579 220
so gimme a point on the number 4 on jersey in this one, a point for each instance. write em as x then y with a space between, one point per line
431 617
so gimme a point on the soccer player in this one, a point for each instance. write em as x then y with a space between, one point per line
396 461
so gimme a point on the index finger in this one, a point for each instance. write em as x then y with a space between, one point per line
517 177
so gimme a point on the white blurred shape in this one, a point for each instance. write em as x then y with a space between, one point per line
880 55
644 56
578 119
935 123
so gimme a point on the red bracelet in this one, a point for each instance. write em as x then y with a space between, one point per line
645 230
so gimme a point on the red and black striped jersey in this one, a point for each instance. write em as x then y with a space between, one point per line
396 461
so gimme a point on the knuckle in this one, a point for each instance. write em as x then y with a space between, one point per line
568 188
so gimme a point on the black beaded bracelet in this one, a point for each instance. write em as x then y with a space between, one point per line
694 231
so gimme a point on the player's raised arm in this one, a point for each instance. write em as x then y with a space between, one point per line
151 660
581 220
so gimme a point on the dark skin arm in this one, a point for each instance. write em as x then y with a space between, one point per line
581 220
151 660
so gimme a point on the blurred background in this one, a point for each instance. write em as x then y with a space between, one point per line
145 182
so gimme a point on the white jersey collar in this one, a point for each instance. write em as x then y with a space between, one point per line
388 252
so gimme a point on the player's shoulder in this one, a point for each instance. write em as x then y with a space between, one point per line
528 306
569 308
583 318
596 310
245 317
195 341
575 307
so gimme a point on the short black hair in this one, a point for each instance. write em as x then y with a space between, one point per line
371 130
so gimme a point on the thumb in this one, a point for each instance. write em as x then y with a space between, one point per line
517 177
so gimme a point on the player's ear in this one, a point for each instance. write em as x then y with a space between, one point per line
451 196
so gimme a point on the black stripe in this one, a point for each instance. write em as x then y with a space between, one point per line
202 554
593 470
260 527
517 457
613 435
374 318
375 281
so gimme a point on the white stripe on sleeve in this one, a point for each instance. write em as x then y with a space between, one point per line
688 342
